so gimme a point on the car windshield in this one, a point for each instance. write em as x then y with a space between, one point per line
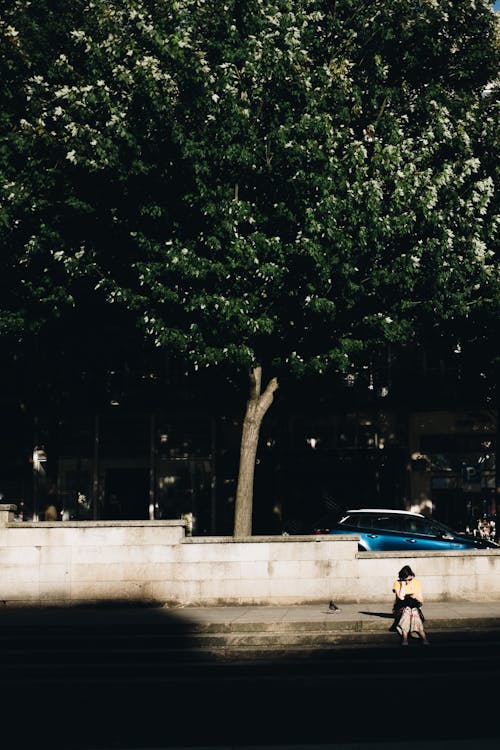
349 520
442 528
422 526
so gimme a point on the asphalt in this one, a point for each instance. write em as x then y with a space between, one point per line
369 619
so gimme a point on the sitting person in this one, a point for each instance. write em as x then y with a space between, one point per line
408 615
51 513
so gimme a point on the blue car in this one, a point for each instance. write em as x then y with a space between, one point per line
383 530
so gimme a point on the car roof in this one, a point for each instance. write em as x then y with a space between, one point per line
386 510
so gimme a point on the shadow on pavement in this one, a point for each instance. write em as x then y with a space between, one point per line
386 615
119 677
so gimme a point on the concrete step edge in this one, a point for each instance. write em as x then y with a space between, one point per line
336 625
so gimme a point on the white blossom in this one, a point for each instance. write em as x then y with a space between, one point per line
78 35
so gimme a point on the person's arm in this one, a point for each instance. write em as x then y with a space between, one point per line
400 589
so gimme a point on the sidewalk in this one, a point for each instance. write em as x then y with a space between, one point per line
369 617
376 616
241 632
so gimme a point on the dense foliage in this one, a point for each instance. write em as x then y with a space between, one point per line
276 182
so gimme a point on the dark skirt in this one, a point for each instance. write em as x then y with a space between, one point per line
399 607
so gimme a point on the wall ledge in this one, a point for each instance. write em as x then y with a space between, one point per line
92 524
266 539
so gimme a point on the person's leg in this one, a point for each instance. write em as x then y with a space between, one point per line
417 625
404 626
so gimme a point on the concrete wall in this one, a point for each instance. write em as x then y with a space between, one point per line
75 563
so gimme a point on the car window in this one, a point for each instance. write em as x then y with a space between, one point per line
387 523
377 521
419 526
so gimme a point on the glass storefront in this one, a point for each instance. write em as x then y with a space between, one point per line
125 466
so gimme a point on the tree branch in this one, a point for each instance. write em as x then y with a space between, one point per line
255 383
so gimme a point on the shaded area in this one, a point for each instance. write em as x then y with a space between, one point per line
387 615
119 677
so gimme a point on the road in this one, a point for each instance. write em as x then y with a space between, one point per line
98 691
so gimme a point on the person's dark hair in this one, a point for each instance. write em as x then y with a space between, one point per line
405 572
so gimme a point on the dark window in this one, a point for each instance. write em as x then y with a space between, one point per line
387 523
419 526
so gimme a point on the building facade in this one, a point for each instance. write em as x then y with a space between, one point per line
120 464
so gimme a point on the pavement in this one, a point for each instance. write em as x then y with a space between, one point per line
461 614
360 616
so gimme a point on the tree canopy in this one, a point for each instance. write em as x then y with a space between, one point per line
278 182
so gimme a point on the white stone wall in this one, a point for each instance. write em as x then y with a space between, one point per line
74 563
266 570
466 575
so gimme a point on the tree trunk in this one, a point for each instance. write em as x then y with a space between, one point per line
257 406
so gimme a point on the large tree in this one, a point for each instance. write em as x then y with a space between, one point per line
277 185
